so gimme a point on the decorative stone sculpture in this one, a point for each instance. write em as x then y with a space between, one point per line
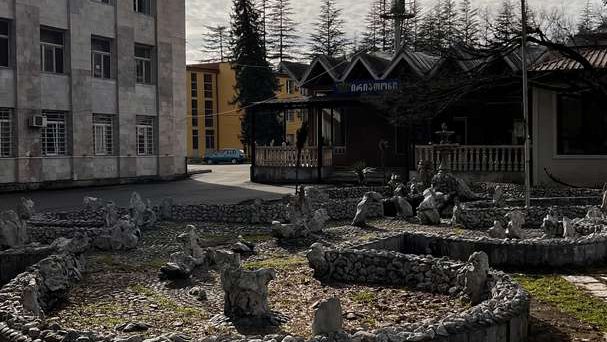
317 261
25 208
444 182
594 215
569 230
498 196
92 203
362 209
111 216
191 245
328 318
222 259
515 224
124 235
180 265
141 213
13 230
427 211
246 293
166 208
497 231
404 208
474 277
318 221
425 173
604 203
551 226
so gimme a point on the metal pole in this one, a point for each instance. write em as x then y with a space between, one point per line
526 105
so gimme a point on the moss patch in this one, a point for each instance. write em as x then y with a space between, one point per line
165 303
567 297
278 263
364 296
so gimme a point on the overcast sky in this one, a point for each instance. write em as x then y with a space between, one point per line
213 12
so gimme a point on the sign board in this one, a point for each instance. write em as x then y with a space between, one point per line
367 87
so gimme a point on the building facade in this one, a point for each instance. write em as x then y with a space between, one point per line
91 90
214 122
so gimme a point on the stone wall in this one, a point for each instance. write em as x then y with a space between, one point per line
15 261
482 218
502 316
508 253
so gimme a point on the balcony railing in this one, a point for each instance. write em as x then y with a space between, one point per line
286 156
474 158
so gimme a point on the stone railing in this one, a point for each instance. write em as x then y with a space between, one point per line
474 158
286 156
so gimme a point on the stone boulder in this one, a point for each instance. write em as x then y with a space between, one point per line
474 277
497 231
318 262
223 259
77 245
166 208
122 236
328 317
13 230
288 231
516 220
246 293
318 221
191 245
604 202
180 265
364 206
569 230
427 211
92 203
25 208
551 226
110 216
141 212
498 196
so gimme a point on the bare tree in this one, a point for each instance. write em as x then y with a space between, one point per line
216 44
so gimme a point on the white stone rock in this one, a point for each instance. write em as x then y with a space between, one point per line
246 292
25 208
497 231
568 228
362 209
515 224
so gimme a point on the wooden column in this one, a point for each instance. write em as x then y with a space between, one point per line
319 141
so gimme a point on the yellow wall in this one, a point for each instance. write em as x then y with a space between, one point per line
227 127
201 100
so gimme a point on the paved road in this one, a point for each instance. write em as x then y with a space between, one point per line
225 184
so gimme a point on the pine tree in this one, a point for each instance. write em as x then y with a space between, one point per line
505 23
410 30
387 25
448 23
431 35
486 29
282 35
329 38
468 24
215 44
372 36
255 80
587 19
262 8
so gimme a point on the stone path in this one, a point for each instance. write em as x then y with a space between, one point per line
596 285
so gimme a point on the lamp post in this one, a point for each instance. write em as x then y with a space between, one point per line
526 105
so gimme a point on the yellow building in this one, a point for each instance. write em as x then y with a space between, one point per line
213 121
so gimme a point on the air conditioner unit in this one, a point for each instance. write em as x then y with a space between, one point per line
38 121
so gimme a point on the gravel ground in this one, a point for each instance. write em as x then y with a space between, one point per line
124 287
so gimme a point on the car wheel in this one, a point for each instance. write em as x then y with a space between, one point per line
234 161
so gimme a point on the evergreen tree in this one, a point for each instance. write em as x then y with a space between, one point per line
505 23
587 19
410 30
448 23
282 35
215 44
329 38
255 80
372 36
387 25
431 35
262 8
468 24
486 29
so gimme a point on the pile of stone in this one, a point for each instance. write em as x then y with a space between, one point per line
181 264
303 219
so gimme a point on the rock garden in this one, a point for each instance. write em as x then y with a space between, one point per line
412 261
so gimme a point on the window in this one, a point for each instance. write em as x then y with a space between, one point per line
53 136
194 113
290 116
209 116
291 87
101 58
143 64
5 50
143 6
51 50
6 133
209 139
581 126
103 138
195 139
208 86
145 135
194 85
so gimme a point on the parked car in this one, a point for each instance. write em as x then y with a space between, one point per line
229 155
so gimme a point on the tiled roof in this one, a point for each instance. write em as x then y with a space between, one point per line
596 56
295 70
205 66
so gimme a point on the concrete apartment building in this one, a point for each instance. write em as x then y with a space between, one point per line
214 121
91 91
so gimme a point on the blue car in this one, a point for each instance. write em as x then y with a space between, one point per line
229 155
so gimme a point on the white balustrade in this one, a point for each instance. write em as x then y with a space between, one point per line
286 156
474 158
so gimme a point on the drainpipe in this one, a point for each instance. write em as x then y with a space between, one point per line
526 106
